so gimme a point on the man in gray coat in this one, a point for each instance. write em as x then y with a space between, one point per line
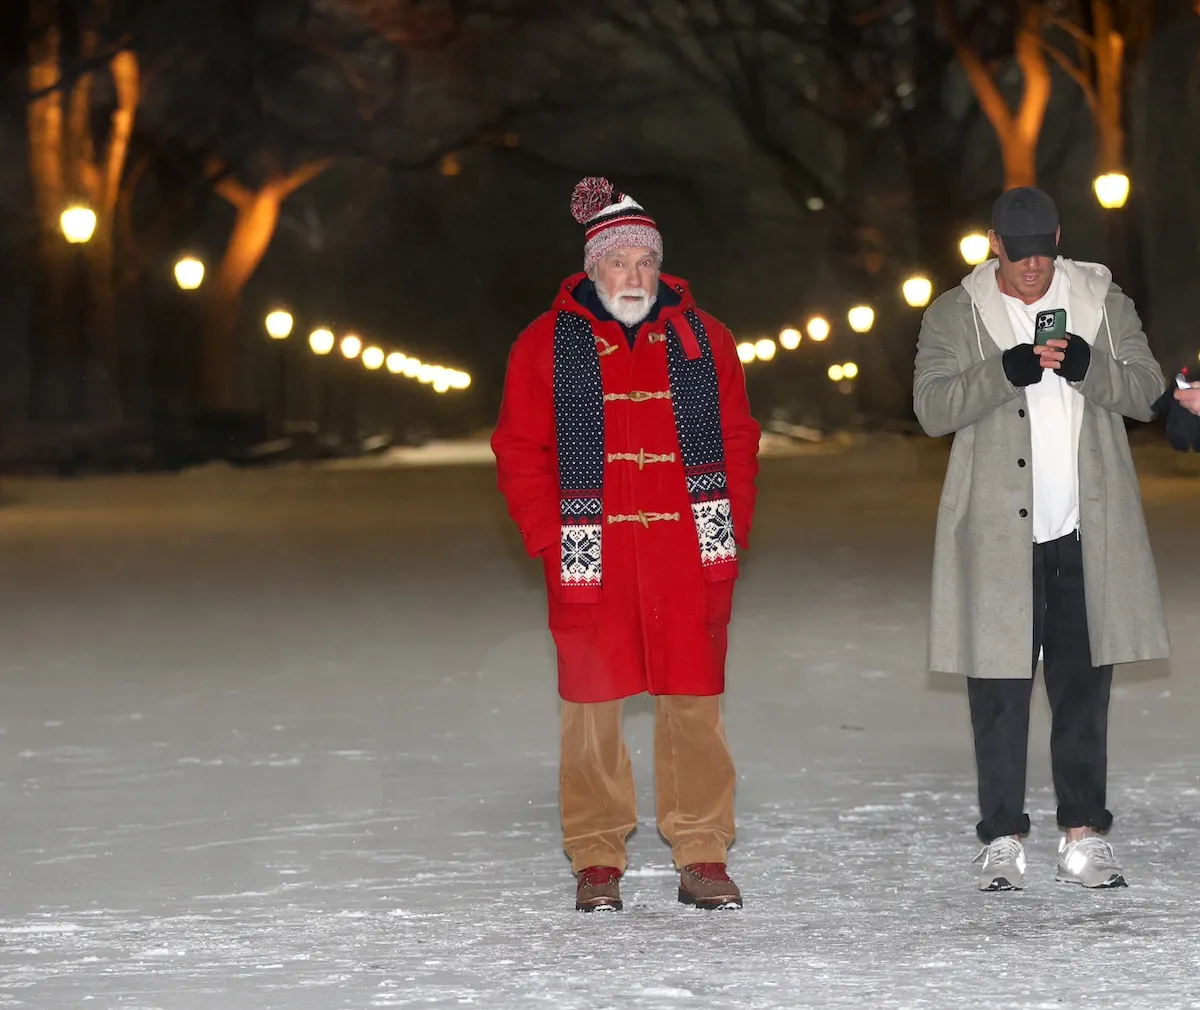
1041 549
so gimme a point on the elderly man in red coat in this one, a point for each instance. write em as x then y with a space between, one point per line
627 455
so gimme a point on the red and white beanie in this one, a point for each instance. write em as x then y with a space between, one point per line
613 221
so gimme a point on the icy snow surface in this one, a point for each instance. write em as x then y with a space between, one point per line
288 740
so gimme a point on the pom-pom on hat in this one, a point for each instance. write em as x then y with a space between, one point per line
613 221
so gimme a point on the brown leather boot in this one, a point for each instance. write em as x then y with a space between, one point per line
598 889
707 885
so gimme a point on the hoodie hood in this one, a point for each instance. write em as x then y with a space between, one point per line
1089 285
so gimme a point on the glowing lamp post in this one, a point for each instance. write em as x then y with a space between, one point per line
836 373
861 318
974 248
746 352
373 358
764 349
321 341
789 339
918 291
351 347
78 224
850 370
412 368
395 362
189 273
279 325
818 328
1112 190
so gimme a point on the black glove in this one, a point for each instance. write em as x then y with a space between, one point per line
1183 427
1022 365
1076 358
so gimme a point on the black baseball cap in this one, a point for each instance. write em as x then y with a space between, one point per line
1027 222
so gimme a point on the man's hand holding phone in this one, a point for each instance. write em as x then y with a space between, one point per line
1066 353
1052 354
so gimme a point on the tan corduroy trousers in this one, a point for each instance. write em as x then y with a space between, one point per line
693 781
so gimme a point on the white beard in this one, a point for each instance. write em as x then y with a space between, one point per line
629 306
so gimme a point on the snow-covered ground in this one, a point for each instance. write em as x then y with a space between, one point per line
288 740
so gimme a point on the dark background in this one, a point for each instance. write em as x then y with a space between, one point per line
799 157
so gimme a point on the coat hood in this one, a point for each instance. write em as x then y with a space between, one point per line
1089 284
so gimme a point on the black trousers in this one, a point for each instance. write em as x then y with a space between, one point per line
1079 697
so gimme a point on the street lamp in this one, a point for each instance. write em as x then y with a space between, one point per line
459 380
351 347
373 358
78 224
836 373
321 341
789 339
818 328
746 352
917 291
850 370
412 367
861 318
189 273
279 324
764 349
1112 190
975 248
395 362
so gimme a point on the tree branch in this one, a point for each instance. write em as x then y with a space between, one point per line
986 90
302 176
1077 75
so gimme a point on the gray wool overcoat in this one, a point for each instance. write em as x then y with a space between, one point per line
982 607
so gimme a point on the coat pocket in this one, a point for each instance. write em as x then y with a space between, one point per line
718 601
958 471
564 616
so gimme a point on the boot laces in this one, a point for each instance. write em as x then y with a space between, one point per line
714 873
598 876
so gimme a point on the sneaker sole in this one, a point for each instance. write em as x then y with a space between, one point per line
709 904
1113 883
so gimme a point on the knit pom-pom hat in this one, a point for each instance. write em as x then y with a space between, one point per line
613 221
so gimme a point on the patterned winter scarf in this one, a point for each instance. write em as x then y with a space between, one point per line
579 425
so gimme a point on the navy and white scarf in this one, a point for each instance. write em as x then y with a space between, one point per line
579 426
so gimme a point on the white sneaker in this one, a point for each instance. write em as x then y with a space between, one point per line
1003 866
1089 861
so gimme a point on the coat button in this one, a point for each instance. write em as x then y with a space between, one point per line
1020 462
1024 513
1021 412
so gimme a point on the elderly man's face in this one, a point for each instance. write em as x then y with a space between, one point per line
627 283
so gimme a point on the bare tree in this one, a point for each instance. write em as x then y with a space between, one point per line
84 78
1018 128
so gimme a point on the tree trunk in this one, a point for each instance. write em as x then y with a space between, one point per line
1109 62
1017 133
255 225
51 354
75 347
1020 160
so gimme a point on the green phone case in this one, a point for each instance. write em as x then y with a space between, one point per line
1050 325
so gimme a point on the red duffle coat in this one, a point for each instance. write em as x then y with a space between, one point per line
658 622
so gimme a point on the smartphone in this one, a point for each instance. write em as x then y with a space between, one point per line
1050 325
1181 381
